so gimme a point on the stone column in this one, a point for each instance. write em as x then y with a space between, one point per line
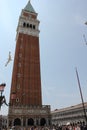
39 121
47 122
26 122
34 121
22 121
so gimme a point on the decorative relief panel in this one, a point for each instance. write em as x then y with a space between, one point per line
31 111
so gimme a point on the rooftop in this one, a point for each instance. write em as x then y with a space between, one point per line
70 108
29 8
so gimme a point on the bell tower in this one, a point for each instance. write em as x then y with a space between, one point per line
26 79
25 96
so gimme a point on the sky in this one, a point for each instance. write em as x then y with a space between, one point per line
62 48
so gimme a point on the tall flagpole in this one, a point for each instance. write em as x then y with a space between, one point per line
81 96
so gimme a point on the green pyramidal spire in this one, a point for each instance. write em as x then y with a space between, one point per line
29 7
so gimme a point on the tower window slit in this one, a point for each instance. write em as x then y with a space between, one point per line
33 26
30 25
24 24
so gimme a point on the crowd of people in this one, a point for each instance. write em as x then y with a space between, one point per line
71 127
53 127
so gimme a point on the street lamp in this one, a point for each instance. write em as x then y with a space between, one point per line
2 97
81 96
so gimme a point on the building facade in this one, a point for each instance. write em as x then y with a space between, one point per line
3 122
73 115
26 107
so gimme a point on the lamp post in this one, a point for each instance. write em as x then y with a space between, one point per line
81 96
2 97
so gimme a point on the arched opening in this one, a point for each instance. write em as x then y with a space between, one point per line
30 122
42 121
17 122
28 25
33 26
24 24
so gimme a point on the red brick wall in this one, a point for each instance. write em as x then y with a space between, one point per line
26 79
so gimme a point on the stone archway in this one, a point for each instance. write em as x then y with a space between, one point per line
42 121
30 122
17 122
